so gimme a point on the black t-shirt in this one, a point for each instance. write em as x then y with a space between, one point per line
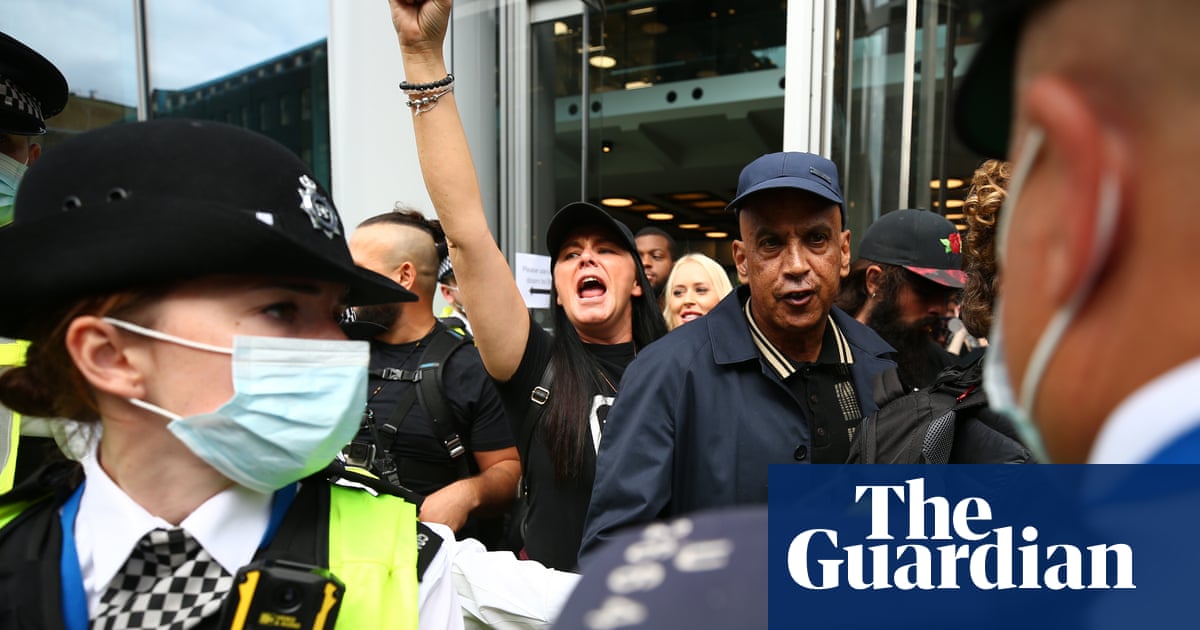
557 508
422 460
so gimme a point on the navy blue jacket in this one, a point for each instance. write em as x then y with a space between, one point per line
700 415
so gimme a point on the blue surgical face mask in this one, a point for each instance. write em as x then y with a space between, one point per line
11 172
1002 396
296 403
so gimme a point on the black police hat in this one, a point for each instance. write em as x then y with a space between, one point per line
31 89
139 204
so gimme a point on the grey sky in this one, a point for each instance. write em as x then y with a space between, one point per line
190 41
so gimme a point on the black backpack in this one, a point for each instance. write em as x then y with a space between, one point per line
429 392
948 422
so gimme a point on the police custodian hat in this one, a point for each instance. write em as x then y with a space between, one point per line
138 204
31 89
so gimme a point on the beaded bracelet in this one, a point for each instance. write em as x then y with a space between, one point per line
427 87
427 100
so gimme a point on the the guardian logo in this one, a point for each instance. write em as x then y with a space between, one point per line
975 554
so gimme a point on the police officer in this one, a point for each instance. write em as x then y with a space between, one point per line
31 90
185 305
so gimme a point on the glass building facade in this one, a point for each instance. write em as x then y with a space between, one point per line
650 108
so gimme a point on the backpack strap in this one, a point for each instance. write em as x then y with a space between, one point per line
538 396
431 392
886 387
866 436
384 435
338 470
296 540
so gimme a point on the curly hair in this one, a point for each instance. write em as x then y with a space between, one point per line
988 191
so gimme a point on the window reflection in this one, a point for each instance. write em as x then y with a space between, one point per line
869 88
245 63
249 63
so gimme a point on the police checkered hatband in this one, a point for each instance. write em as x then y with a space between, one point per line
15 98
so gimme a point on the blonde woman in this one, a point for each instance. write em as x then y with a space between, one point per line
694 287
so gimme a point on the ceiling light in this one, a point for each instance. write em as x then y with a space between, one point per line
960 227
955 217
689 196
641 11
688 226
644 207
660 216
951 182
717 234
617 202
954 203
637 85
561 28
654 28
603 62
606 146
709 203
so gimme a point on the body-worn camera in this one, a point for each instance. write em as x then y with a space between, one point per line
273 594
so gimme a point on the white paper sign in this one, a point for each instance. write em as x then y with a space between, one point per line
533 279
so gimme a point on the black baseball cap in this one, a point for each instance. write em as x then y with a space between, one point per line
580 213
140 204
31 89
790 169
983 104
923 242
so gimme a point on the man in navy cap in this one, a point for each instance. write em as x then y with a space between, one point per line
1094 345
31 90
909 266
773 374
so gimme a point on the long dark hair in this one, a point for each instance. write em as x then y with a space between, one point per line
576 373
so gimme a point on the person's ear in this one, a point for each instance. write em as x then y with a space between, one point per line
405 275
35 151
739 261
874 280
845 253
1076 158
102 354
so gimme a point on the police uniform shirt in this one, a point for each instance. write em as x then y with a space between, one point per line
824 389
229 526
110 524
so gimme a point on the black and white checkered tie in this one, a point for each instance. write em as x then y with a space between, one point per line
169 581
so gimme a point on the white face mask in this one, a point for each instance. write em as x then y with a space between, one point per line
1002 397
296 403
11 172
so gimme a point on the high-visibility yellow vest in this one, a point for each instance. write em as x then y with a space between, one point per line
11 354
372 550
